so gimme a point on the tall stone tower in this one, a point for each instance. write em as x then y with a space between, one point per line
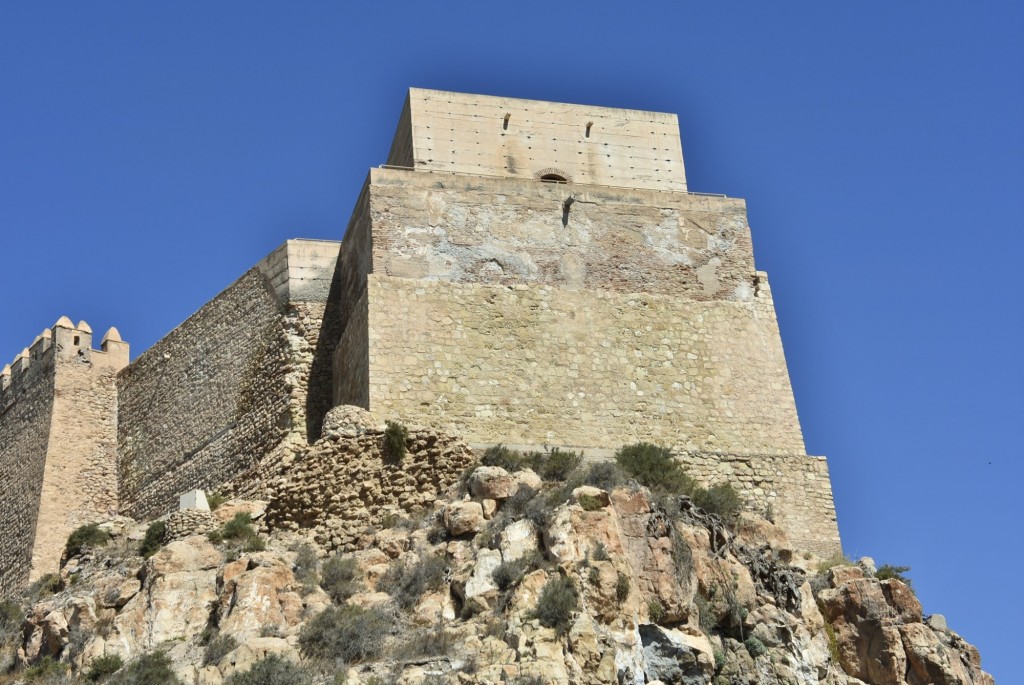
538 273
58 440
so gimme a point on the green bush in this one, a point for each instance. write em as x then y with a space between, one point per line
720 659
407 584
254 544
754 646
215 499
46 669
151 669
509 573
349 633
218 648
395 437
47 584
590 503
154 538
86 536
103 666
656 610
240 534
505 458
654 466
239 527
887 572
722 499
556 604
338 578
621 588
606 475
558 464
837 559
600 552
11 617
272 670
306 567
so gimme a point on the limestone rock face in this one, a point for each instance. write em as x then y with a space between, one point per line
179 586
649 590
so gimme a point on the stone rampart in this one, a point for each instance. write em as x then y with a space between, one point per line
345 482
245 373
794 491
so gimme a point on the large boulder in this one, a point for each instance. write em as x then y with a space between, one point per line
179 589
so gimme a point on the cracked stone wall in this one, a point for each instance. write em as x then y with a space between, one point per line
481 230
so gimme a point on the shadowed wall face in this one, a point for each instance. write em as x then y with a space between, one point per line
25 418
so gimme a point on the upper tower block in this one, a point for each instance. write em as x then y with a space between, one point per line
512 138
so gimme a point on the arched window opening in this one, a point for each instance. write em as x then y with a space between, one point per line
554 178
589 125
504 122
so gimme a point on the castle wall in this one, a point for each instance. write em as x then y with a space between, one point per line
794 490
509 137
205 401
247 372
478 230
26 409
533 364
355 262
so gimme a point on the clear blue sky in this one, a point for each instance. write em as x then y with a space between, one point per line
151 152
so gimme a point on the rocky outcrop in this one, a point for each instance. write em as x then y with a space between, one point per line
555 584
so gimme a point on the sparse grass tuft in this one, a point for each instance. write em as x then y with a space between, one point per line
408 584
152 669
217 648
338 578
272 670
622 588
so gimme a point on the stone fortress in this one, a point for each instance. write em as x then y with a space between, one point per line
524 272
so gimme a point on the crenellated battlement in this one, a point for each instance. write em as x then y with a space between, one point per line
66 341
